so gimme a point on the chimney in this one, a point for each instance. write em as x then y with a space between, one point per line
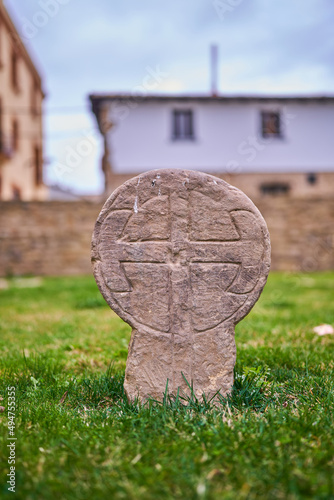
214 70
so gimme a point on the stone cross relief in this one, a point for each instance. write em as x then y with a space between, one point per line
181 256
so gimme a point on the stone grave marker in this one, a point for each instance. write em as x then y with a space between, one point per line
181 256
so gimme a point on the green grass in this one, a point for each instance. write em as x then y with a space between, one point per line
78 437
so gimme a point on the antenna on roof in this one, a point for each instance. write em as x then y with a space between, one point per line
214 70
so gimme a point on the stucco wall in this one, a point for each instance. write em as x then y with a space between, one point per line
227 137
53 238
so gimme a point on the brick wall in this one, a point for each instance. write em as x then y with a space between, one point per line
53 238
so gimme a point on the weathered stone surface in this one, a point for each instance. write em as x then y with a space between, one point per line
182 257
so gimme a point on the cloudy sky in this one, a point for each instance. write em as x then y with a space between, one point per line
86 46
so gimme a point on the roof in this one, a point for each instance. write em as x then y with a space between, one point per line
18 43
97 99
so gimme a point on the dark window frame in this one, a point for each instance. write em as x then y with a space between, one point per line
34 98
312 178
38 165
1 44
271 124
1 126
16 193
275 188
16 135
183 125
14 69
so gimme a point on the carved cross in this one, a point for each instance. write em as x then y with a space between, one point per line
180 256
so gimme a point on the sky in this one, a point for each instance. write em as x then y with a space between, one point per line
85 46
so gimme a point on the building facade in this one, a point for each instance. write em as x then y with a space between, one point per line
21 135
263 145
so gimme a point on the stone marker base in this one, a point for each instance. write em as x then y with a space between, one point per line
206 361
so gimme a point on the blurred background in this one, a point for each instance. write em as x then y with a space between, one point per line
93 93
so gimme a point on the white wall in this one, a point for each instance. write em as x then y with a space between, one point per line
227 137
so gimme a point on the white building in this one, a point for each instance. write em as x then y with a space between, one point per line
264 145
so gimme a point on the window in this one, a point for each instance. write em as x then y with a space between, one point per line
275 188
312 178
5 141
38 166
183 126
15 139
271 124
34 99
16 193
1 30
14 70
1 131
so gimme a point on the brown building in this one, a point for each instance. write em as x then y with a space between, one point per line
21 96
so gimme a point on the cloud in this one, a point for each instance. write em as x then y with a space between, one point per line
265 46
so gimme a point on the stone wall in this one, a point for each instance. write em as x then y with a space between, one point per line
301 232
46 238
297 184
53 238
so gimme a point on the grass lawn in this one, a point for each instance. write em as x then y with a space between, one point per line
64 352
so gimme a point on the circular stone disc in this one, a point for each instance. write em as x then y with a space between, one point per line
177 251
